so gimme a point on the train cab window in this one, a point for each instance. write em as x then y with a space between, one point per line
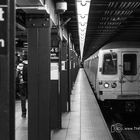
110 63
129 64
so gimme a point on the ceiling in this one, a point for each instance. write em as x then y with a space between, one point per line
70 15
109 20
72 25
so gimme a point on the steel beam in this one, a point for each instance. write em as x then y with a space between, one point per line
7 67
39 32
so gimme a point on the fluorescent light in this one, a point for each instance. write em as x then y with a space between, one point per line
82 14
41 2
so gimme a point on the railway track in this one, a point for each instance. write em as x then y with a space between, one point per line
122 126
127 125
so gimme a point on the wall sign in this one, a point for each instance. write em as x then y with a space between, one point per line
3 26
54 71
54 53
63 65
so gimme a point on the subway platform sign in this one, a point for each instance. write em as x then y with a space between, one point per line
3 27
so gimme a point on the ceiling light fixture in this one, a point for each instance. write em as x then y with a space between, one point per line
82 15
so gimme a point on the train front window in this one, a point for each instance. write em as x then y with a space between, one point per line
129 64
110 63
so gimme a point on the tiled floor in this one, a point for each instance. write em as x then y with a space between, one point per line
21 123
85 121
70 121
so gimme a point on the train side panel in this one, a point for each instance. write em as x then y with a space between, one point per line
91 67
93 71
115 74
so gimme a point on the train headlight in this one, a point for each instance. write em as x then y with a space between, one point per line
106 85
113 85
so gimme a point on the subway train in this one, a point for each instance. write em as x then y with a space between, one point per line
114 74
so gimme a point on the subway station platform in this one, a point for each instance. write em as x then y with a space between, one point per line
84 122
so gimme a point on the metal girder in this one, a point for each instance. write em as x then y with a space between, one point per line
107 19
28 3
111 20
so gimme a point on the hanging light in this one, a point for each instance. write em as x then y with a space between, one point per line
61 7
82 14
83 3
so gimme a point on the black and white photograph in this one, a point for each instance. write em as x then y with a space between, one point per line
69 69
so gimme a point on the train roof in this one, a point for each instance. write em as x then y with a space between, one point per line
116 45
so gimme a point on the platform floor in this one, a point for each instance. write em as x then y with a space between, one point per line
85 121
21 124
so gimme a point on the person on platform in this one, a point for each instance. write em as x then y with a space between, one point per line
24 90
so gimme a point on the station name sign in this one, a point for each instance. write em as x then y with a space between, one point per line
3 26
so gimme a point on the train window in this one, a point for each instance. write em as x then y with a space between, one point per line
110 63
129 64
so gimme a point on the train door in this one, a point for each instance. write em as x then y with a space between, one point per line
130 73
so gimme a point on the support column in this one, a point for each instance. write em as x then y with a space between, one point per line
39 39
69 73
63 76
55 97
7 77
